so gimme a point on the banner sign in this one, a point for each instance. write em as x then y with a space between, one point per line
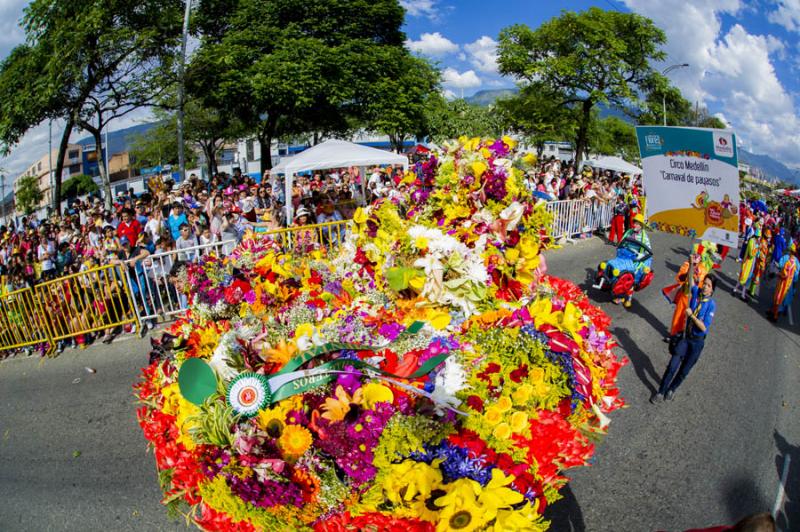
691 179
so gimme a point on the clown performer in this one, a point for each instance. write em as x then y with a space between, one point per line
637 233
678 294
778 250
748 264
788 272
761 263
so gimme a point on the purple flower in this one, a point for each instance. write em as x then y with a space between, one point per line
390 331
350 381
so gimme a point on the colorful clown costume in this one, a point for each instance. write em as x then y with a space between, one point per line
788 272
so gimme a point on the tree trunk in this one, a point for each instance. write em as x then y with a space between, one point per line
583 132
62 150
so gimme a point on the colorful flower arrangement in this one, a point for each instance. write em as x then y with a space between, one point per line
428 375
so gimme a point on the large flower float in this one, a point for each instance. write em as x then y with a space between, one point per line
428 375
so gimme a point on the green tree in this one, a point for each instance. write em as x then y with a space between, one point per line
98 60
537 114
398 103
79 185
28 195
659 93
613 136
158 146
590 57
452 119
288 67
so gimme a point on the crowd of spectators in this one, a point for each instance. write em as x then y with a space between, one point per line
186 216
168 217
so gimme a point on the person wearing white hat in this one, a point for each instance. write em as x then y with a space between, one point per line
305 238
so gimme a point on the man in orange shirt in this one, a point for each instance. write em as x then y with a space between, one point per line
678 294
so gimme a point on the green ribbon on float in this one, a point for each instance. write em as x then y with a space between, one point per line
288 382
283 385
330 347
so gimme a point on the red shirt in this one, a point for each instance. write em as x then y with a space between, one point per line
132 230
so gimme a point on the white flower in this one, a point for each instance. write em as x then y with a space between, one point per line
513 214
220 360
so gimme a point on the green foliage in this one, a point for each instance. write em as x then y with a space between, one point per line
28 195
659 92
159 146
586 58
287 67
452 119
397 104
95 60
24 94
613 136
537 114
78 185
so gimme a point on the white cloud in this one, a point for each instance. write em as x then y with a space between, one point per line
457 80
483 54
732 71
421 8
787 15
448 94
432 44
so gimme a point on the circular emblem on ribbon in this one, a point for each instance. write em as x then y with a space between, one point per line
248 393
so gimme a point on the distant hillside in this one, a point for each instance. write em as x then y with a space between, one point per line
770 166
120 141
488 97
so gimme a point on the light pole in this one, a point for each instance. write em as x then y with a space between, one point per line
181 69
664 96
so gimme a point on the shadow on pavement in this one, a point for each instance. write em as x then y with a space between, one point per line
566 514
790 513
742 497
642 364
641 311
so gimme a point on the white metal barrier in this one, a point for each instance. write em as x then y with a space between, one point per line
573 217
154 288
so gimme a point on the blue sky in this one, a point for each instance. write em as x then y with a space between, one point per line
743 56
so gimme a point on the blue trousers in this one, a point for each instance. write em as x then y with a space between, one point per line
681 363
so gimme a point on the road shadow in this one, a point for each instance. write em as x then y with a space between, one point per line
672 267
642 365
790 513
742 497
682 251
641 311
566 515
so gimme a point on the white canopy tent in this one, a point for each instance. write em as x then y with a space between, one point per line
336 154
615 164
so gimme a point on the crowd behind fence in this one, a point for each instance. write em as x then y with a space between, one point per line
108 297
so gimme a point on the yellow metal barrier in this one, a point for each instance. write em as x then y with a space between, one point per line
22 321
85 302
328 235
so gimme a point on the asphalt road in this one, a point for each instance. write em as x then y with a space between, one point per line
72 456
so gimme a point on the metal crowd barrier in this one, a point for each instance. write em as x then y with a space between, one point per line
22 321
573 217
154 287
95 300
328 235
153 283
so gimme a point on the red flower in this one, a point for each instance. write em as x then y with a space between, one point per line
374 522
490 369
520 373
475 403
